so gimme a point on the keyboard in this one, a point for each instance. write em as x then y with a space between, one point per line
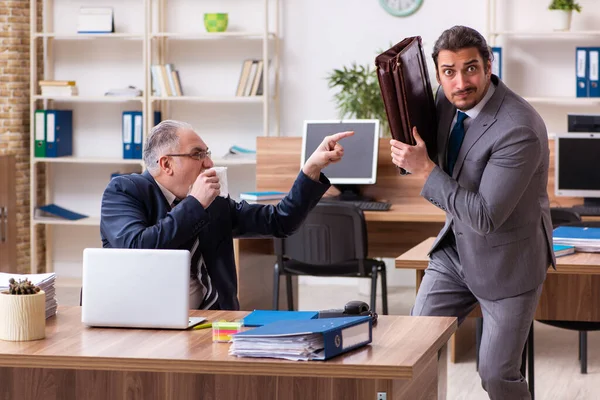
372 205
583 210
586 210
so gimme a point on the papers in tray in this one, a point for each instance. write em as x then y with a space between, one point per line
44 281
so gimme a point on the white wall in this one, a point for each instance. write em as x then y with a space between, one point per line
317 36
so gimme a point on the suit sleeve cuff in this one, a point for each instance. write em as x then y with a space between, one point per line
323 181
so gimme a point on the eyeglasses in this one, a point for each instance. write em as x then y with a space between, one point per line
197 155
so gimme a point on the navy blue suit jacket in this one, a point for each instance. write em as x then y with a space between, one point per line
135 214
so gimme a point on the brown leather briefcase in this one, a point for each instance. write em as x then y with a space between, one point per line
407 93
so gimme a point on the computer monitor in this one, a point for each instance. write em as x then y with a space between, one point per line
359 164
577 169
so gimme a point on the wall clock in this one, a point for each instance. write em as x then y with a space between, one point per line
401 8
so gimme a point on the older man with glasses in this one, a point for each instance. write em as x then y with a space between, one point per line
175 204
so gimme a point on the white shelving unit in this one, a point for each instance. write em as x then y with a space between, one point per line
95 148
99 62
533 37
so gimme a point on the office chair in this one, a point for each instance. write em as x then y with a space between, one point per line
568 217
331 242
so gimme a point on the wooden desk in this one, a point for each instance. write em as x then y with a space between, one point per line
75 362
570 292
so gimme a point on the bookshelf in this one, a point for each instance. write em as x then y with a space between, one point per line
210 65
146 32
76 182
535 55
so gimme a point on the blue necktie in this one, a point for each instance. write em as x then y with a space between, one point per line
456 138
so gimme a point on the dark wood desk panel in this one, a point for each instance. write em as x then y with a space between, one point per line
76 362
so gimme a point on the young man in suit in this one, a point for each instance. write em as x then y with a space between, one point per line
490 177
175 204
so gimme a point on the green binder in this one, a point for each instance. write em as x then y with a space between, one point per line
40 133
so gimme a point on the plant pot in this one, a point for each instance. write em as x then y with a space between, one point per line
561 20
22 317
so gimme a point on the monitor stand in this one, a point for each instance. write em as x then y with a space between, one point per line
350 193
591 202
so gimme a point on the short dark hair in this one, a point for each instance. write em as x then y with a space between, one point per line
462 37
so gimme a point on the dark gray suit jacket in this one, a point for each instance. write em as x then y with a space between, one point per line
496 202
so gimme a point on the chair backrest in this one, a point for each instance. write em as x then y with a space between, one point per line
332 233
560 216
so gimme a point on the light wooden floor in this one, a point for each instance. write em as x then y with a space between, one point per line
556 370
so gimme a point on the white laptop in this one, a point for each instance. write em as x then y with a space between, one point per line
137 288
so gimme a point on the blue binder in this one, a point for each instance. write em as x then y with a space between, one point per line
264 317
497 63
332 330
127 134
57 211
132 133
593 72
581 71
138 126
59 133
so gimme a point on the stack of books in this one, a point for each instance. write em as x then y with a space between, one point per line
58 88
251 79
563 250
304 340
44 281
262 196
165 81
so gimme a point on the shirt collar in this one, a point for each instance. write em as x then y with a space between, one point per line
168 195
474 112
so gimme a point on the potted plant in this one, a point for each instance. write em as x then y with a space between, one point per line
562 11
22 311
359 95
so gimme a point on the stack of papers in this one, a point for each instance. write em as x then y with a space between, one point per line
58 88
129 91
583 238
294 348
44 281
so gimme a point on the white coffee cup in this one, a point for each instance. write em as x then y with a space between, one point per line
222 175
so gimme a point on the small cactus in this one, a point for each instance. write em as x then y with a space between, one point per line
22 287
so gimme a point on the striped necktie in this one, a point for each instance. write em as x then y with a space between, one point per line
456 138
199 271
